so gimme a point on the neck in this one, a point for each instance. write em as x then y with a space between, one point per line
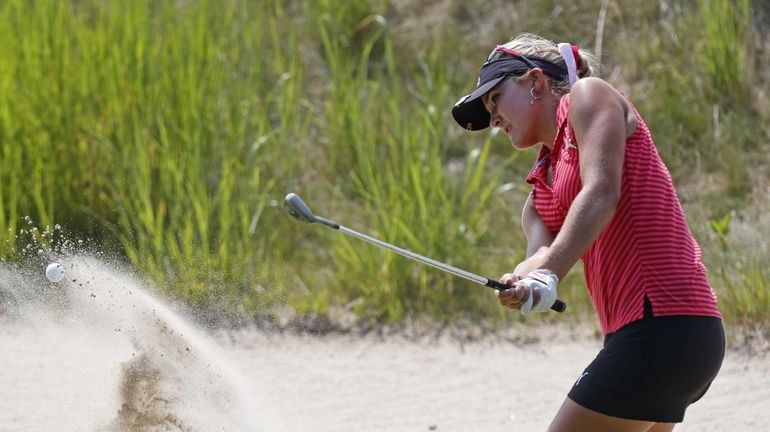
548 127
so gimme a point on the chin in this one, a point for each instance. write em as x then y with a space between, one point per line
522 146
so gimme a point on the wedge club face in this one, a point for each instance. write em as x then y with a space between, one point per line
297 208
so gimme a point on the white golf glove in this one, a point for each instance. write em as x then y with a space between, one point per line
543 282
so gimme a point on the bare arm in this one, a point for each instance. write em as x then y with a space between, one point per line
539 238
538 235
597 114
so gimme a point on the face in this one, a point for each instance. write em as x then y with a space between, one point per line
510 111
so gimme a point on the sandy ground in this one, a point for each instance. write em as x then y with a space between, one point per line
349 383
101 353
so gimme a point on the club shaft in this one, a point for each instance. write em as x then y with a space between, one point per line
298 209
558 306
409 254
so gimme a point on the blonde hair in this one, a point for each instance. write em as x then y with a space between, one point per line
534 46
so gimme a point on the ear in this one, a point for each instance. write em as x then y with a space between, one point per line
538 78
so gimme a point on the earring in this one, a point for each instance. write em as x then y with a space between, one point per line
534 98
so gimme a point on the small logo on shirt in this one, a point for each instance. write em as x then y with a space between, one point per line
577 383
569 144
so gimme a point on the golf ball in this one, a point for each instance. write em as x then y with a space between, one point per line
54 272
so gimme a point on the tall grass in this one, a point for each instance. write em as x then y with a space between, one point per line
145 123
172 131
723 52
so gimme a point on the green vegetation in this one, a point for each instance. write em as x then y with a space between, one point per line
172 130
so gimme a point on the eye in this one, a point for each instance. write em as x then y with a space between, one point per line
490 100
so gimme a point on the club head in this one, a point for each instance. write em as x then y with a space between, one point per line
297 208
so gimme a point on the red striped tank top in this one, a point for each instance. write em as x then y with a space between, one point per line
647 248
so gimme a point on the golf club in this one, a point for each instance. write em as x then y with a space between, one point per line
299 210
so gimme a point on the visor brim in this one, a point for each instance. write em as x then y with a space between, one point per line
469 112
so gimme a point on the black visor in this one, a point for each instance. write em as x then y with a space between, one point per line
469 111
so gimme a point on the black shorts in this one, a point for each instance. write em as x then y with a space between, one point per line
653 369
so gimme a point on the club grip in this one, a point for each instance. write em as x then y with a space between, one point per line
558 305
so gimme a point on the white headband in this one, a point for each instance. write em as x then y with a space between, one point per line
569 59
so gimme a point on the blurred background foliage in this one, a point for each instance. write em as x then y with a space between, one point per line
169 132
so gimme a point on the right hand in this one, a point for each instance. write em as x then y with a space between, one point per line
514 296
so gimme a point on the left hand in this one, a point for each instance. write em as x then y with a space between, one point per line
541 286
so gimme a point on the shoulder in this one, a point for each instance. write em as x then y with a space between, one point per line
591 97
591 91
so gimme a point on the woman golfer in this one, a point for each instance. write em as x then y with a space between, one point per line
601 193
